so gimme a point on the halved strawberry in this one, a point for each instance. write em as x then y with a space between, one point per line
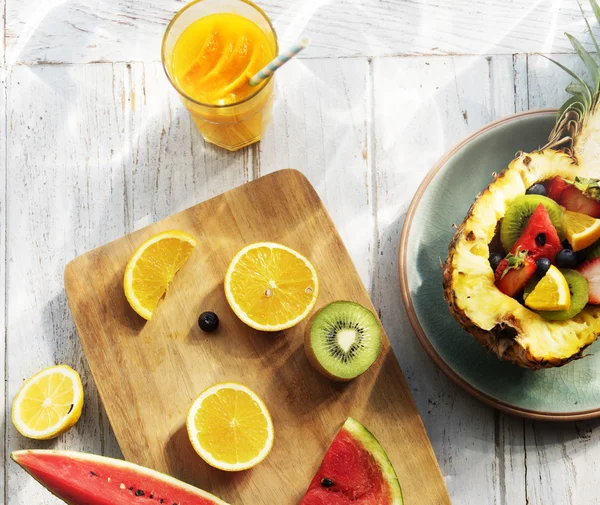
514 272
539 237
555 188
591 271
582 196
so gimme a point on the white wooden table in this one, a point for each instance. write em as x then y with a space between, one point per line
95 144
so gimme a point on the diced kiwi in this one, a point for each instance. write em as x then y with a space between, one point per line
578 286
518 213
343 340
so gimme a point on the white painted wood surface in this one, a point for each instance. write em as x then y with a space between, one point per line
96 144
83 31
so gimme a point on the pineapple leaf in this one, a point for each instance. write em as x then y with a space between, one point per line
574 89
586 57
596 9
584 97
587 92
588 24
573 103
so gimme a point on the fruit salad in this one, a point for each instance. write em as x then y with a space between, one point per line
546 253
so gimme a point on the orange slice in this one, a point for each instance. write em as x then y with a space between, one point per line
582 230
551 293
230 427
271 287
152 268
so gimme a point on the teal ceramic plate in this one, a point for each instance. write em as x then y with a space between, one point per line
566 393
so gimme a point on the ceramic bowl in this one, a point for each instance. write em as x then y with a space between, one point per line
567 393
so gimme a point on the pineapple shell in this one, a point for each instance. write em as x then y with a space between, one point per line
501 323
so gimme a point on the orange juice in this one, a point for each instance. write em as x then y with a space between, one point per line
216 55
209 55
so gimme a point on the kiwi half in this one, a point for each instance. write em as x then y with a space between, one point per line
343 340
578 286
518 213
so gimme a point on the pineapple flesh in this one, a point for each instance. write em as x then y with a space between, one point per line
501 323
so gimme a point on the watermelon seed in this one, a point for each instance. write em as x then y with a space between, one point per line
93 474
540 239
151 496
326 482
162 500
131 488
139 492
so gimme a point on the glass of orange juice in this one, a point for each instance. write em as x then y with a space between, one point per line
210 50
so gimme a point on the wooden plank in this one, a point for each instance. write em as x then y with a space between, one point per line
568 450
171 168
422 107
521 81
66 196
322 130
170 360
123 30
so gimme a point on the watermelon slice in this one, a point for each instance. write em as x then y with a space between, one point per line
355 470
539 238
87 479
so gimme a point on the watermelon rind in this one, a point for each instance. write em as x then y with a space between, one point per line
373 447
118 464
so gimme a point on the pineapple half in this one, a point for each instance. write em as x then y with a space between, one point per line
499 322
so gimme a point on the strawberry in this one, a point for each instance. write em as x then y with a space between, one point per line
591 271
539 237
514 272
582 196
555 188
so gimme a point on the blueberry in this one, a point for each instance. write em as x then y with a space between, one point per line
495 259
566 259
537 189
540 239
542 266
208 322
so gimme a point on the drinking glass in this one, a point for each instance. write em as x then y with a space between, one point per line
235 125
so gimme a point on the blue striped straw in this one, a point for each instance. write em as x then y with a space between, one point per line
277 62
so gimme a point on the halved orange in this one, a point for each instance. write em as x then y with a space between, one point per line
271 287
230 427
153 267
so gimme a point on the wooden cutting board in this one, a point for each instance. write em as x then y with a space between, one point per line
148 373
